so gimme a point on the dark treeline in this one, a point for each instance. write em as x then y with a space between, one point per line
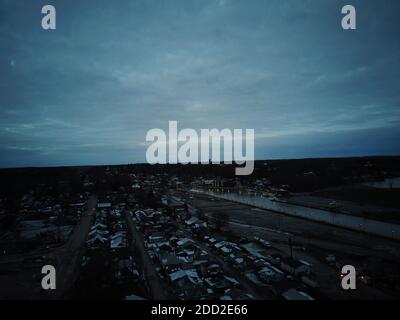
298 175
18 180
48 181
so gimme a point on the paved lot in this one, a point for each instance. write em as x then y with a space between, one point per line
351 246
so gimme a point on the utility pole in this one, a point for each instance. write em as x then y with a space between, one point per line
291 248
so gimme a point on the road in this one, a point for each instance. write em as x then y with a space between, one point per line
70 255
148 268
26 280
344 221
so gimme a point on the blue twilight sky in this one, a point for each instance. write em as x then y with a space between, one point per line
88 92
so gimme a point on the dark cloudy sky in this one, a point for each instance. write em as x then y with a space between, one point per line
88 92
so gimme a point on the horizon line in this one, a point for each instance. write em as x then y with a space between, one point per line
169 164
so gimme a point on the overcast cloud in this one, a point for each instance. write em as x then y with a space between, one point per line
88 92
